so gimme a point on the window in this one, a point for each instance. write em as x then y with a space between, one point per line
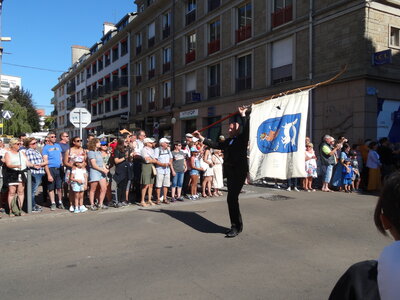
100 64
94 68
394 37
214 81
166 93
151 97
213 4
166 59
139 102
100 107
138 43
190 12
214 37
141 8
151 66
243 81
107 58
166 19
124 47
190 87
94 109
115 103
124 100
138 72
190 47
282 60
244 23
283 12
150 2
115 53
107 105
124 76
151 34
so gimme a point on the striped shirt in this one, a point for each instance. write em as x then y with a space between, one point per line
35 158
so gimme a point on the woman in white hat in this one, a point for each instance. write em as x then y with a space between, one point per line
148 171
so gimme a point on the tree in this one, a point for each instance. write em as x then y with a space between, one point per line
49 123
18 123
24 98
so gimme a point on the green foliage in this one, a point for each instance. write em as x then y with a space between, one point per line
24 98
49 123
18 123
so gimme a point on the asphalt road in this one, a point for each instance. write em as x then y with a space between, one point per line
291 248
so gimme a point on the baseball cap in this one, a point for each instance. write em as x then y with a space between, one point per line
103 143
164 140
189 135
195 139
148 140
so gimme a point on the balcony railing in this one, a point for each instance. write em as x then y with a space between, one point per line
151 73
192 96
166 32
138 79
243 83
138 108
243 33
94 94
166 67
190 56
100 91
138 50
282 16
213 4
213 91
124 81
152 105
115 84
213 46
166 101
71 105
190 17
151 42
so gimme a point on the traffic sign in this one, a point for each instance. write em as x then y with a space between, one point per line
6 114
80 117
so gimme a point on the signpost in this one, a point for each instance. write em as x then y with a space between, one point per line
5 114
80 117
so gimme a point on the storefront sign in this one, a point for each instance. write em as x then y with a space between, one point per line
189 114
382 57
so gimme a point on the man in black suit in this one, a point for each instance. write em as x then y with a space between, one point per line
235 165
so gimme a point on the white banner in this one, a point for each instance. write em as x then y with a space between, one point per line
277 137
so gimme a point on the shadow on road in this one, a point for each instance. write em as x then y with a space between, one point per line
193 219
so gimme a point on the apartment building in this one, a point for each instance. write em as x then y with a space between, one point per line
99 81
8 82
195 61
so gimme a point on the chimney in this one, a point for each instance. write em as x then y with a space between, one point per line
77 52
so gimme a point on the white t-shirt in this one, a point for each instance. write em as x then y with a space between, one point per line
389 272
139 147
79 174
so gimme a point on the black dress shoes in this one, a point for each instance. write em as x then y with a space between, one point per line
232 233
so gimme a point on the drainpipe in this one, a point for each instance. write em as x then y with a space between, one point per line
310 64
173 99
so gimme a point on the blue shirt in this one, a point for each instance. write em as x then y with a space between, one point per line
53 153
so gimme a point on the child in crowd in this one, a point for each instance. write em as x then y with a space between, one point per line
194 172
79 181
347 175
356 171
377 279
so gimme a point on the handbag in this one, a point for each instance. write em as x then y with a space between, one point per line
153 168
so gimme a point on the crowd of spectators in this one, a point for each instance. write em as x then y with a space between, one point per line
136 169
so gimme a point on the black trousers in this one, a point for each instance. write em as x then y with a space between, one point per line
121 190
235 179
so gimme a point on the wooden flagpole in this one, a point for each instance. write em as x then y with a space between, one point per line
300 89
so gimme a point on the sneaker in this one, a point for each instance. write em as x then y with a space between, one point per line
77 210
61 206
277 186
194 198
71 208
37 208
289 189
180 199
173 199
82 208
161 198
296 189
103 206
53 206
92 207
124 203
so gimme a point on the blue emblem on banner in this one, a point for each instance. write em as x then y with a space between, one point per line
279 134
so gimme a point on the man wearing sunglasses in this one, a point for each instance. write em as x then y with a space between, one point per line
64 144
52 153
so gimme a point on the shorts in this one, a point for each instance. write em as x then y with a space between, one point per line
177 180
327 172
77 187
163 180
347 181
57 182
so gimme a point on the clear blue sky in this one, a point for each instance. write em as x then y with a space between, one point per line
43 32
